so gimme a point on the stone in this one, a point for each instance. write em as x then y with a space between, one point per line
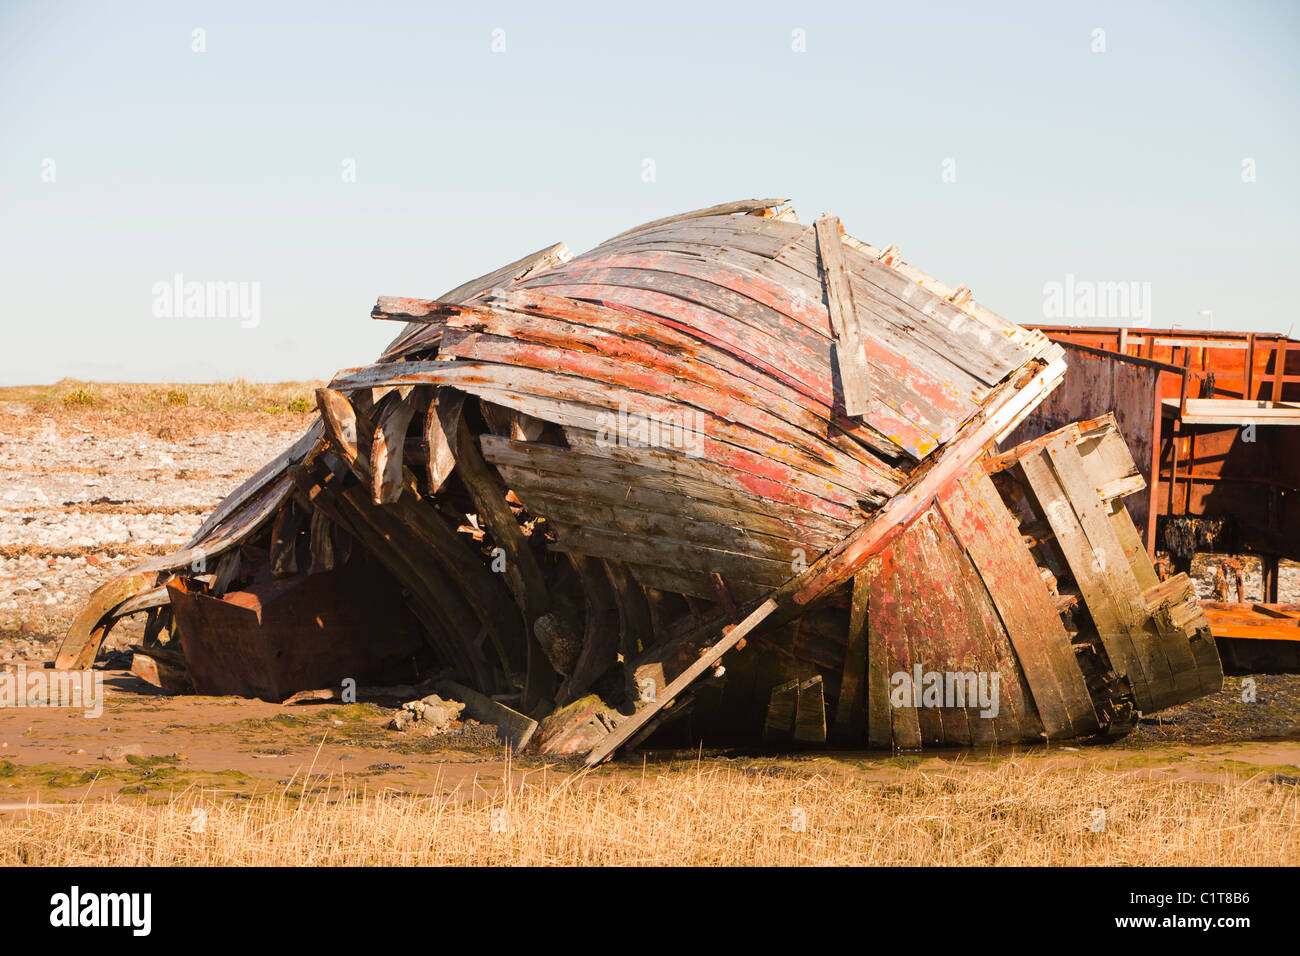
122 751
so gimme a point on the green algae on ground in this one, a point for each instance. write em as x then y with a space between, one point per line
139 777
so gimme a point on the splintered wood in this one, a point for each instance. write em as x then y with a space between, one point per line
724 478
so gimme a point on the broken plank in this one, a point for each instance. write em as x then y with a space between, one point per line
386 450
1178 681
522 574
850 355
284 540
991 539
849 709
722 209
513 728
683 680
810 712
441 424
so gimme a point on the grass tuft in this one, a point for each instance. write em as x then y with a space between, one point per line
236 395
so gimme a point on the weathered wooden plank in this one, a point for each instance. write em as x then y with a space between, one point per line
601 634
941 635
793 312
522 574
81 643
764 236
284 538
810 711
574 401
386 450
529 265
544 486
906 417
1139 562
1106 455
671 553
513 728
704 662
441 423
1029 340
953 631
850 709
701 477
1178 680
417 335
322 543
1001 414
694 410
778 723
891 331
538 342
980 348
824 501
979 645
701 305
634 629
1073 541
628 334
850 354
978 334
770 356
888 624
339 419
420 311
698 584
991 539
680 527
722 209
654 482
880 593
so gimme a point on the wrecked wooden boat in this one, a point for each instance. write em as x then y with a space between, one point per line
726 477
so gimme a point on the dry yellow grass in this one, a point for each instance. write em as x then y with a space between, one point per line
236 395
1010 814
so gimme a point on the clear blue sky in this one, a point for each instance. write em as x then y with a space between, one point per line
226 165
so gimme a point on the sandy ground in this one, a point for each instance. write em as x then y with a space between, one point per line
87 493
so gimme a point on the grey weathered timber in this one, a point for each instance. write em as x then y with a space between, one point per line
850 355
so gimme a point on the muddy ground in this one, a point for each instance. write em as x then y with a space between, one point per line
87 492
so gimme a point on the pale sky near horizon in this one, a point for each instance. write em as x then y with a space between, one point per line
1171 157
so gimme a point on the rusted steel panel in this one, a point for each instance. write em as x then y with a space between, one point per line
1245 365
275 637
